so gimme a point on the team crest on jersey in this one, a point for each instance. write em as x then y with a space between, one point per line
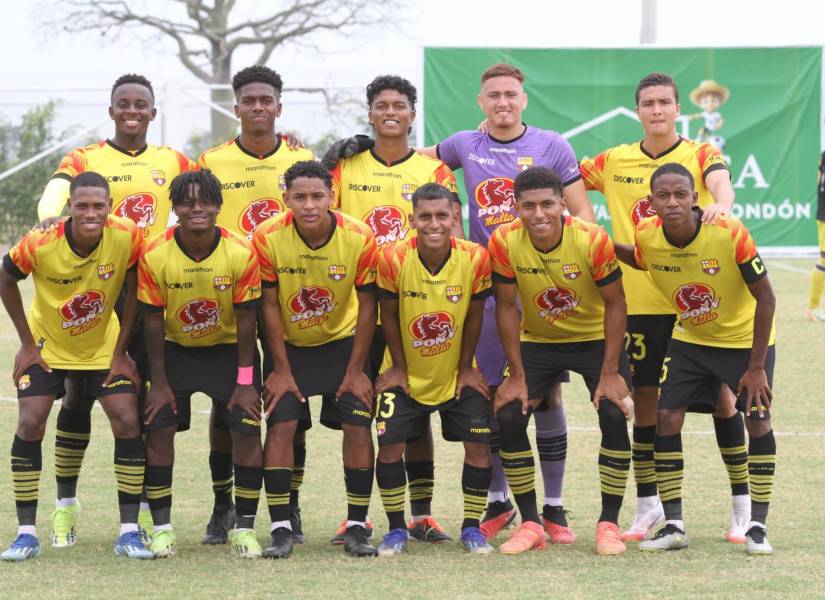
159 176
555 303
200 317
407 191
387 223
82 311
642 210
524 162
337 272
106 271
257 212
222 282
140 208
496 201
710 266
24 383
432 332
453 293
311 305
571 271
697 303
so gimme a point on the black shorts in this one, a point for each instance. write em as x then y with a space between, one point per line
463 419
646 341
693 375
211 370
37 382
319 371
543 363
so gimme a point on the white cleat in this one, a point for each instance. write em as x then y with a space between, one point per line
757 541
645 523
668 537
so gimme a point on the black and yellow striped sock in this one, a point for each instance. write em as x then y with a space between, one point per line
730 437
614 460
392 483
71 440
220 467
158 484
517 459
359 489
299 461
248 483
761 468
26 465
421 481
670 471
475 482
130 464
644 471
276 484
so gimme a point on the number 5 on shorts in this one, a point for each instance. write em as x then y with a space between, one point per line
387 399
664 371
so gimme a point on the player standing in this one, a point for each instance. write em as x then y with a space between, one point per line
813 312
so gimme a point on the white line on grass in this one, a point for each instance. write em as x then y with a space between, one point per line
785 267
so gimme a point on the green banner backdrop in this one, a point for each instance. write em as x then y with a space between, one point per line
767 125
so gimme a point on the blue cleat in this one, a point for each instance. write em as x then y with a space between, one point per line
130 545
25 546
394 542
474 541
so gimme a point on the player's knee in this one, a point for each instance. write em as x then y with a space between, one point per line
477 455
31 425
282 434
669 422
125 424
553 399
390 453
160 446
247 450
757 427
77 403
357 436
612 421
512 423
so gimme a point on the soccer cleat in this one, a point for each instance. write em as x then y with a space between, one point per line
559 534
145 526
499 516
163 543
23 547
644 523
244 543
64 519
474 541
756 540
608 539
428 530
356 542
394 542
338 538
131 545
814 314
219 526
295 521
668 537
738 529
280 543
528 536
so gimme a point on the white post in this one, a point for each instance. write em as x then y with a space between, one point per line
172 118
648 32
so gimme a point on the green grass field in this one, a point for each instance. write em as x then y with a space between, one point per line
709 568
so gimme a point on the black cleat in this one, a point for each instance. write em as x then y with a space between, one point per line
295 521
220 524
356 542
280 544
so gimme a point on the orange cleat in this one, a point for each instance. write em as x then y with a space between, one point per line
529 536
559 534
608 539
499 516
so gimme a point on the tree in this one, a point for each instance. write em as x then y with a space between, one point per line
207 35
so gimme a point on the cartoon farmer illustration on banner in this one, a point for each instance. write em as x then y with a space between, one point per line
710 96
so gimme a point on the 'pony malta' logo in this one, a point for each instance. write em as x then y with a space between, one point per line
82 312
140 208
496 201
200 317
311 306
259 211
432 332
642 210
387 223
556 303
697 302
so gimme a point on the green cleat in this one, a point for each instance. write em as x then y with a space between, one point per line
245 544
64 519
163 543
145 526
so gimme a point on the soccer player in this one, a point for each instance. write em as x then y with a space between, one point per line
319 310
377 187
139 175
79 268
813 312
715 280
432 289
199 290
564 271
622 174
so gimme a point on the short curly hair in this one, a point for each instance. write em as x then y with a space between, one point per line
133 78
537 178
257 74
391 82
307 168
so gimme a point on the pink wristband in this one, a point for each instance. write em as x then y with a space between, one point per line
245 375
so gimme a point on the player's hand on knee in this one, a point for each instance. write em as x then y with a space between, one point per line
359 385
471 377
158 396
613 387
246 398
391 378
28 355
277 384
755 382
122 365
511 389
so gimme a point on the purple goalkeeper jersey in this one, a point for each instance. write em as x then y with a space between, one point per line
490 166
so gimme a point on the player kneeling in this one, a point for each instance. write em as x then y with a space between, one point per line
432 289
724 334
199 290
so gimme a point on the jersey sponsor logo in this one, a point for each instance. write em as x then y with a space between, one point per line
337 272
179 285
118 178
697 303
140 208
159 176
496 201
524 162
311 305
63 280
710 266
238 185
453 293
556 303
364 187
628 179
257 212
571 271
387 223
200 317
407 191
82 312
666 268
222 282
481 159
106 271
24 383
432 332
413 294
292 270
642 210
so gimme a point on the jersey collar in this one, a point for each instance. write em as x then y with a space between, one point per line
666 152
398 162
444 262
565 221
248 152
208 254
67 231
128 152
515 139
335 218
696 210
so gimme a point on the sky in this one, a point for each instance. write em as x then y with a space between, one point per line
79 68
